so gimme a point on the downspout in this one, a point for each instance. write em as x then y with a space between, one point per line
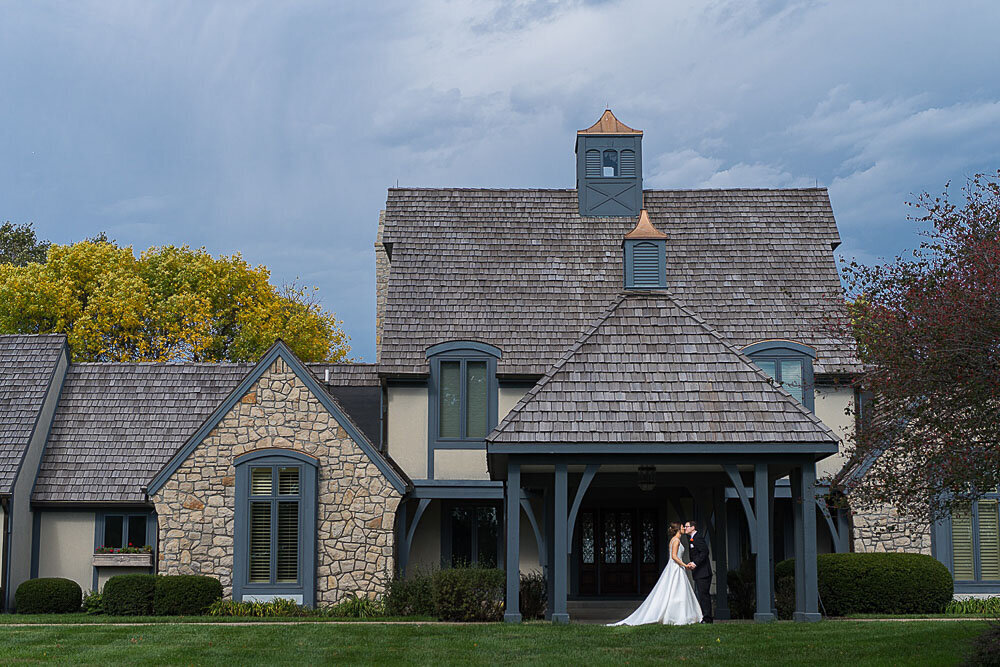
5 556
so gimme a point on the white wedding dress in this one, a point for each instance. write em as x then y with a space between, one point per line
671 602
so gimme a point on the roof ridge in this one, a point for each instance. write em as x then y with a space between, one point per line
444 188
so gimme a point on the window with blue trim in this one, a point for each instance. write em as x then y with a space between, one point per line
789 364
121 531
462 393
471 534
975 541
275 525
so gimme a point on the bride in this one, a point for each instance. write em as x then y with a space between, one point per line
672 600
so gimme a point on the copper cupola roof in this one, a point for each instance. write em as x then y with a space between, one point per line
644 229
608 124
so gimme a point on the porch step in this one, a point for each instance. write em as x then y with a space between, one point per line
600 611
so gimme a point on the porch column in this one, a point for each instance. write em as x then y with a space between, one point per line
402 544
550 582
721 562
512 521
806 592
735 553
761 482
561 553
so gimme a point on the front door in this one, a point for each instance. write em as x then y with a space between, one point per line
617 551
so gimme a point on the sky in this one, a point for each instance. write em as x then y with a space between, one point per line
273 129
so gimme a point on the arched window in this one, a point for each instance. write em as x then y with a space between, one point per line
610 163
789 363
462 393
275 540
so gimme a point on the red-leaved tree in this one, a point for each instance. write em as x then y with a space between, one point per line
928 334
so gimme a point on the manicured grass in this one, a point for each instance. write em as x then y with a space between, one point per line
852 643
100 619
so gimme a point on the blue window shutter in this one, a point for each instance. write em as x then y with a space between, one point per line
593 165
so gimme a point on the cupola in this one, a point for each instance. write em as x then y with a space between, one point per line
645 256
609 168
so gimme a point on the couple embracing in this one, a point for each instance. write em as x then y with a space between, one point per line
673 600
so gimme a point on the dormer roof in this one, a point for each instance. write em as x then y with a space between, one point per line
608 124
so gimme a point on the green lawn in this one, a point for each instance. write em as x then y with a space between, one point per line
831 643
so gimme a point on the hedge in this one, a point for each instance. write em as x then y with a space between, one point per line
880 583
412 595
129 595
469 594
48 595
185 595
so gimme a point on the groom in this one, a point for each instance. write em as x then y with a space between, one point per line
701 569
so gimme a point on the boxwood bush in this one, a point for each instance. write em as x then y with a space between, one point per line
185 594
469 594
48 595
412 595
882 583
129 595
533 595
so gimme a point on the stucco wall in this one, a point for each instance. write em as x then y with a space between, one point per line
22 519
407 429
832 405
356 504
460 464
507 398
67 546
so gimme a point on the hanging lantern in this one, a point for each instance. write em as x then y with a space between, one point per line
647 478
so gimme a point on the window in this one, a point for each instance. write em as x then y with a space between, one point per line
462 393
610 163
124 530
975 541
472 535
789 364
275 525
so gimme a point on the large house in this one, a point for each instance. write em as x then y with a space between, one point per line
559 374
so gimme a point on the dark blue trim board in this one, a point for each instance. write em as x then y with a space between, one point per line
279 349
773 345
464 346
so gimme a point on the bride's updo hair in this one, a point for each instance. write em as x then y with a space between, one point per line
673 530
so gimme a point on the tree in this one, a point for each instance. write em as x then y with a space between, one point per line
928 334
19 245
169 304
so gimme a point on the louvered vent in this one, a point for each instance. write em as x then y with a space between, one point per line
593 165
627 163
646 265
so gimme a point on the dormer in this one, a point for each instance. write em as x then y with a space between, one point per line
645 256
609 168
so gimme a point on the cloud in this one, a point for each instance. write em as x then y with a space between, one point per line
275 128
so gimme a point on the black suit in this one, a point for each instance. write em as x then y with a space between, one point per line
702 574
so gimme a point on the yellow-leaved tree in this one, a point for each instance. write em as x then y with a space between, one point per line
169 304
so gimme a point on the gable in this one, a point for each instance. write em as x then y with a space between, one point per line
280 354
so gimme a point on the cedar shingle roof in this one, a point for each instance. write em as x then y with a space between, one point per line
522 270
651 371
27 364
118 424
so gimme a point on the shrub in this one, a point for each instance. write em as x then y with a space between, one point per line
742 588
185 594
986 648
129 595
884 583
93 603
275 608
469 594
411 596
49 595
533 595
356 606
974 606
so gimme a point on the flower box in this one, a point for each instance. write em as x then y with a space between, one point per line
123 560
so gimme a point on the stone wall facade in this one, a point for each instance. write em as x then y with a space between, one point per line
886 531
356 504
